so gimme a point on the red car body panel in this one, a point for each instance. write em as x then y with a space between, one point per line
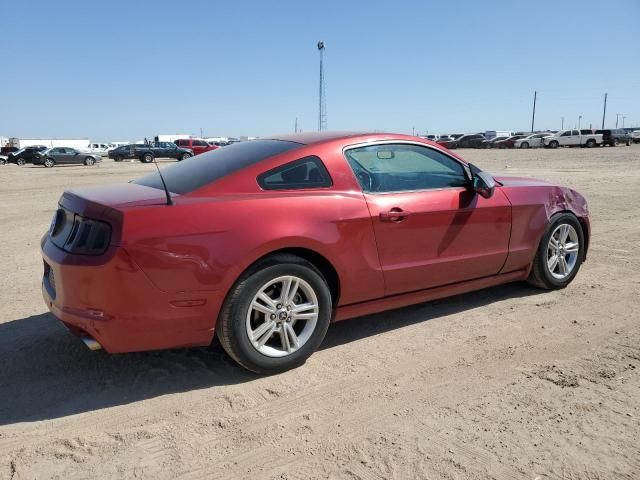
168 269
193 144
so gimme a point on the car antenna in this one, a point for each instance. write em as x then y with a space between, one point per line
164 185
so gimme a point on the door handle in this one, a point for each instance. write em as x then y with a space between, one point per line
394 215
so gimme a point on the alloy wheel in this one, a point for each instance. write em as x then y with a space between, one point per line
562 251
282 316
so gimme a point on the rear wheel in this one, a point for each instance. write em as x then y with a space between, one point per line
628 143
276 315
524 145
559 254
554 144
48 162
147 158
89 161
592 143
119 158
616 142
185 156
20 162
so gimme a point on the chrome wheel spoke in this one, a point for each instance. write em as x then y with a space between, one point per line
564 233
267 310
571 247
263 333
284 339
562 261
291 334
289 290
552 263
268 301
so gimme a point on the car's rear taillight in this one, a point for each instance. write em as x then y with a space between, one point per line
79 235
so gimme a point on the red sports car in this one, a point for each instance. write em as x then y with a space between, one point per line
264 243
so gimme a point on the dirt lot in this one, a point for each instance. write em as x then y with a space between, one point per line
509 382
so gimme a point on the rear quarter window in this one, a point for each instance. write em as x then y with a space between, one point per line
308 172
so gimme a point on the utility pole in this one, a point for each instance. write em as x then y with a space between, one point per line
413 131
322 101
579 120
200 132
623 117
617 115
296 126
604 110
562 126
533 115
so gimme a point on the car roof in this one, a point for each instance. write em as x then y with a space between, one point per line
310 138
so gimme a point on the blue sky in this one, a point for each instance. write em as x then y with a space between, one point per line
125 70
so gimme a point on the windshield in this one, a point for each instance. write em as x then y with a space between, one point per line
196 172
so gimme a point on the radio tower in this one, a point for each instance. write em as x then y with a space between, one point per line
322 110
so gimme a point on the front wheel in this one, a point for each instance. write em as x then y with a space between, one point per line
560 253
48 162
20 162
554 144
524 145
276 315
89 161
147 158
185 156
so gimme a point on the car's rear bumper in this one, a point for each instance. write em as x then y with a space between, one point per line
110 299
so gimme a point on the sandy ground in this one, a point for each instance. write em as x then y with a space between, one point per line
509 382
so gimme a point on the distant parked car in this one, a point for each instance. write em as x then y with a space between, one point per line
508 142
635 136
474 140
491 143
443 139
615 137
532 141
65 156
196 145
25 155
572 138
99 148
7 149
146 152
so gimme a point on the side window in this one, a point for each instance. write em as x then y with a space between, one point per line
566 134
576 132
308 172
404 167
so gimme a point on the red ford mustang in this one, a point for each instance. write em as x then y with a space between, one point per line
265 242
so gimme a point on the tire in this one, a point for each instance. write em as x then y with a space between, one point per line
89 161
542 276
3 161
147 158
615 143
524 145
48 162
118 158
20 162
591 143
238 318
185 156
628 144
554 144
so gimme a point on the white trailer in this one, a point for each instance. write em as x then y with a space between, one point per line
491 134
172 137
77 143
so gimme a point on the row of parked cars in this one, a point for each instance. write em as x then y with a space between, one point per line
562 138
145 152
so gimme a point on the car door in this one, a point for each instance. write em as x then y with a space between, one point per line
430 229
575 138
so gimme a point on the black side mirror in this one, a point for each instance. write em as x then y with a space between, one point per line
483 184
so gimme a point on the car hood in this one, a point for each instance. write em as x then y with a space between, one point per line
520 181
